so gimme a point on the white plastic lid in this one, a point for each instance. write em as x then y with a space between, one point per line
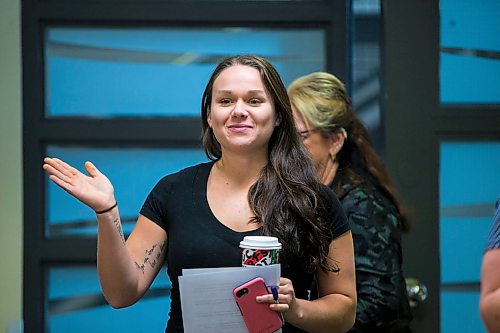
260 242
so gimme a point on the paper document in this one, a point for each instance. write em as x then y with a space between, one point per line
207 296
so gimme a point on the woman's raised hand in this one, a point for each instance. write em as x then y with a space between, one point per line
95 190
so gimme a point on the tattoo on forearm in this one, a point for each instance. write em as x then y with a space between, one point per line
152 256
118 227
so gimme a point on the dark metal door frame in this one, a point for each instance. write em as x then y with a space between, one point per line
38 131
411 87
415 124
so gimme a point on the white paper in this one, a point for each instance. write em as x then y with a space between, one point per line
207 296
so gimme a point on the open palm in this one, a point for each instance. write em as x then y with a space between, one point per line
94 190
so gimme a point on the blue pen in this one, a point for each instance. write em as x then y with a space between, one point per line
274 291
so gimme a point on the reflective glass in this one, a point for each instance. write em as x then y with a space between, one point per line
470 52
469 186
133 172
106 72
365 87
76 304
461 313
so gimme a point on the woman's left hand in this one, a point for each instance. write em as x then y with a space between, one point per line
286 297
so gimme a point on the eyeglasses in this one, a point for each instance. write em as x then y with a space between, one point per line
306 134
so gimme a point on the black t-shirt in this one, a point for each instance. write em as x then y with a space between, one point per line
196 239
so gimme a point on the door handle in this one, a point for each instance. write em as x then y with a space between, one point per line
416 290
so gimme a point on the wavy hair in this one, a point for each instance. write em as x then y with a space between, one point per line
322 101
286 199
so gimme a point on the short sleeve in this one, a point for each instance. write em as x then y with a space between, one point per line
339 222
155 203
494 236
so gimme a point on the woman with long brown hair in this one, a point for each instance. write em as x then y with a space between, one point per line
260 181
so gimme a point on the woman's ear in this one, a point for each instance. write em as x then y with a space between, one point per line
337 142
277 121
209 118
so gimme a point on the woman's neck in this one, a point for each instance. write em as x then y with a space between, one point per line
240 169
326 172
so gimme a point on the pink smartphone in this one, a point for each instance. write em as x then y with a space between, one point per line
258 317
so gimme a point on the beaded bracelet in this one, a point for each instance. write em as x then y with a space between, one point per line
107 210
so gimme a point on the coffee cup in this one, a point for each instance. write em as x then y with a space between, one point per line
259 250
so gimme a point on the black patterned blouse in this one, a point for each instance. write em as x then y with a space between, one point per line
382 299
